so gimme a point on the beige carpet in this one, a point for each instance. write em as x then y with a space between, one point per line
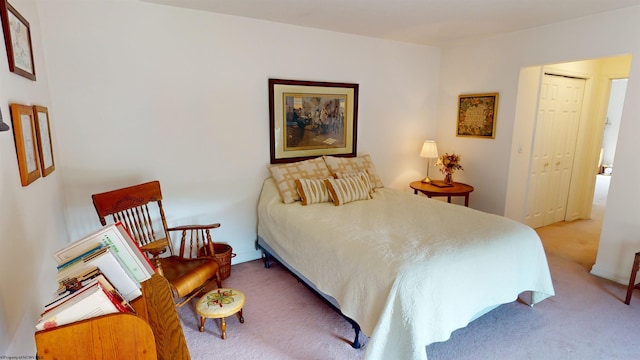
576 241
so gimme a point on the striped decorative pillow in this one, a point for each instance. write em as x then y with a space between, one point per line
363 175
346 190
312 191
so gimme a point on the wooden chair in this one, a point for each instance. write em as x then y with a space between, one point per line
189 270
632 278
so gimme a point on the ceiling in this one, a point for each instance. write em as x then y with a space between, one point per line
428 22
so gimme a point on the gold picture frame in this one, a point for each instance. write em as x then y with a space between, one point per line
17 39
24 133
43 133
310 119
477 115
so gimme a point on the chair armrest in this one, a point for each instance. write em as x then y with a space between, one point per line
194 227
156 248
193 239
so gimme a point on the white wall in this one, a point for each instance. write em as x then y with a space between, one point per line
30 217
138 91
494 64
182 96
614 115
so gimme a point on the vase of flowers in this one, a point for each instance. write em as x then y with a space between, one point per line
449 163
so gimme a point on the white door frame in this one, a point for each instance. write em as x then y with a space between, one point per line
589 139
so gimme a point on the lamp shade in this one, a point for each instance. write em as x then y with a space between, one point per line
429 149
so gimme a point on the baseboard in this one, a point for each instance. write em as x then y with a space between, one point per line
599 272
246 256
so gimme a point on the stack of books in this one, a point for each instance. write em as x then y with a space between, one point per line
97 275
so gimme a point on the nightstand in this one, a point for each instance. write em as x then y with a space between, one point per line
458 189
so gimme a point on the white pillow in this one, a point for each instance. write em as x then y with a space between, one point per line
285 176
354 164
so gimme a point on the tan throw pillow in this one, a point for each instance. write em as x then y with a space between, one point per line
312 191
285 176
347 190
350 165
363 175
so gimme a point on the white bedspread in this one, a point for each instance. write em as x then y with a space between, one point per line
410 270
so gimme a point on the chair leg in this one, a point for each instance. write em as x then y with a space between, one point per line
156 260
218 279
632 278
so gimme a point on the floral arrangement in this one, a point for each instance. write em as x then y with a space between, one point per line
449 163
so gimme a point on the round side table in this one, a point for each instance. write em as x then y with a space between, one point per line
456 189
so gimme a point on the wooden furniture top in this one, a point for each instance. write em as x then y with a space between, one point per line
114 336
458 189
154 333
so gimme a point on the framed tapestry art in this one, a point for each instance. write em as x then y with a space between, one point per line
309 119
17 39
43 133
26 143
477 115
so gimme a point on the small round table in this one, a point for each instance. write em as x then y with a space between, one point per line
219 304
457 189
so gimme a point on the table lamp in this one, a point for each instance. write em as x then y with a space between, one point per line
429 151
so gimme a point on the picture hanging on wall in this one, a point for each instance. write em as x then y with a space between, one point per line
310 119
17 38
24 133
477 115
43 133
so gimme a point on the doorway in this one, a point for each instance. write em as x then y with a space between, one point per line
554 147
598 74
609 143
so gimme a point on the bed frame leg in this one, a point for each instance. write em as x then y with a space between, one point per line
267 264
356 342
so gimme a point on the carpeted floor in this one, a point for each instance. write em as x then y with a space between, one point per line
587 318
283 320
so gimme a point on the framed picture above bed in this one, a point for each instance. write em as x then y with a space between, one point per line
309 119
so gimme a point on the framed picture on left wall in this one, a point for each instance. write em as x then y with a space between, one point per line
24 132
43 134
17 39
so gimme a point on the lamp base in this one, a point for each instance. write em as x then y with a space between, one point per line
426 180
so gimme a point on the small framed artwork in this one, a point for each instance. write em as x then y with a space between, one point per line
26 144
310 119
17 38
477 115
43 134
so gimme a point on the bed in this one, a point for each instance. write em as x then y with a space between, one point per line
405 269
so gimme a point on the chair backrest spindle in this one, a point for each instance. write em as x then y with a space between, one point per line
131 207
